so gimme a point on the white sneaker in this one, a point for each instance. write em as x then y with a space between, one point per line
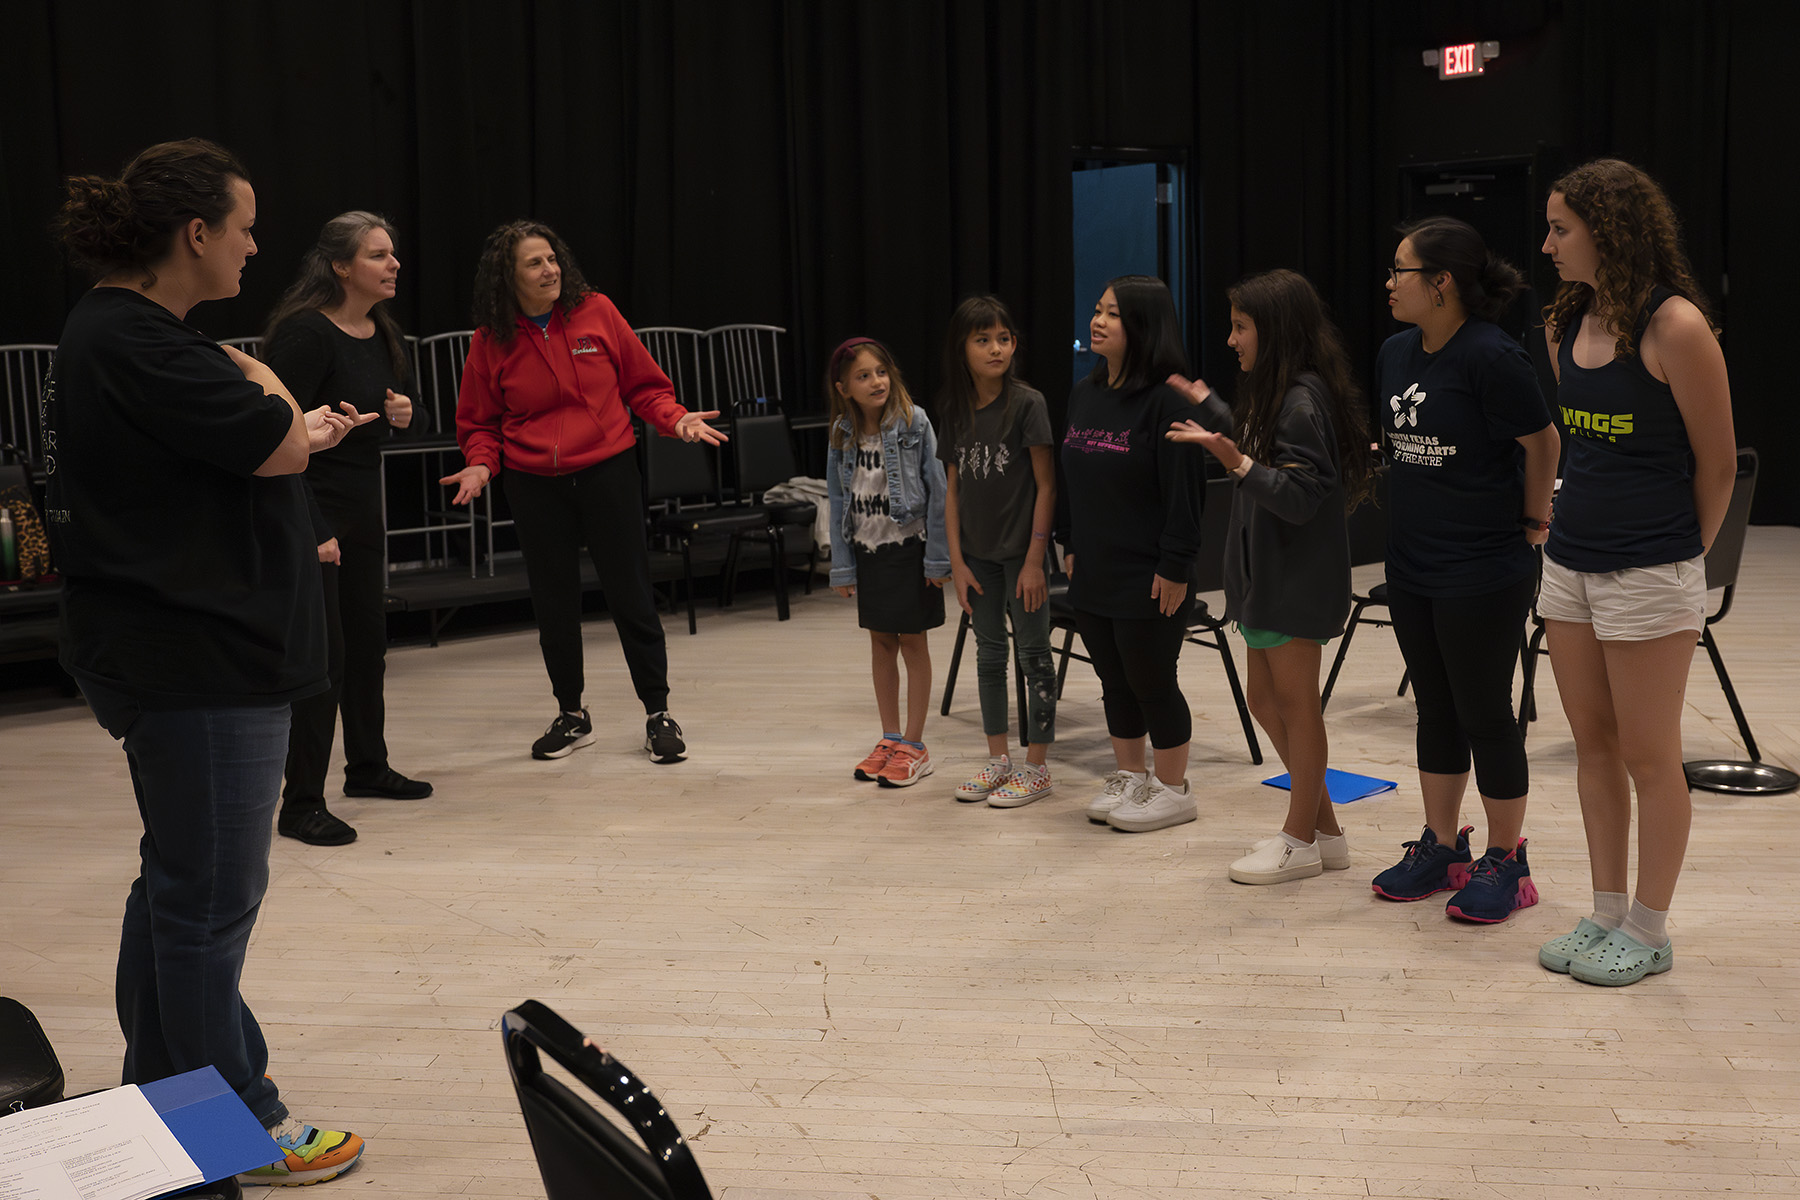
984 781
1118 787
1278 862
1158 806
1334 849
1026 783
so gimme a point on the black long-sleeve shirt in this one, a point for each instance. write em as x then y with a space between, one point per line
321 364
1134 497
1287 558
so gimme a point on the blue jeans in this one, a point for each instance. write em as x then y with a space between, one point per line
207 781
999 581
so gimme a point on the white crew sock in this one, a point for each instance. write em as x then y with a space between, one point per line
1610 909
1646 925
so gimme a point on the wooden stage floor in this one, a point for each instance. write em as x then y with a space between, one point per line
843 991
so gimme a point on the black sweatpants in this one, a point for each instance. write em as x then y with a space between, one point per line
1137 660
600 507
1460 652
356 645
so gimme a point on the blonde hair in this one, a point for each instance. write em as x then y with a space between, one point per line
899 407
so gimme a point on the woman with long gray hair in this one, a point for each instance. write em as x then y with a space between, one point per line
331 338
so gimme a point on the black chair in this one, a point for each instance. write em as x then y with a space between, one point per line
580 1153
1204 628
677 476
680 472
1723 558
764 453
1368 544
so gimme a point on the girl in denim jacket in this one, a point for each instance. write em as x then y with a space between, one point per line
888 547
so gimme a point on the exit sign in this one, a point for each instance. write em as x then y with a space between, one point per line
1465 60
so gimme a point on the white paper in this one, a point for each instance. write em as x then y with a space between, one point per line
108 1146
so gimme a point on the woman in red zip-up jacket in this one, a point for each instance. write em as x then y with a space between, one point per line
552 370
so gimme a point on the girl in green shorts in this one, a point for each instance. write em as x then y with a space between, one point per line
1301 463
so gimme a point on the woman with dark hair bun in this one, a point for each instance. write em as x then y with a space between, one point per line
332 339
1645 398
191 606
1133 527
1471 460
553 377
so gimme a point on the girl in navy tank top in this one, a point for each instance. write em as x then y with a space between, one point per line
1645 407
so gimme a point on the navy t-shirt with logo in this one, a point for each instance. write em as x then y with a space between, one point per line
1456 472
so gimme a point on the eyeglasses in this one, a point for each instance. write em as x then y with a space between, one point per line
1394 273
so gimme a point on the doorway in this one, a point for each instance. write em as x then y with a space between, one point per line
1131 217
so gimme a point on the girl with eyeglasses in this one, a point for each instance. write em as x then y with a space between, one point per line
1471 460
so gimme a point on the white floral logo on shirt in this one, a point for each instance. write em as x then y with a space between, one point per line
1406 406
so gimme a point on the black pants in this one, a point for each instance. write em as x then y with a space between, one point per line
356 642
1460 652
601 507
1137 660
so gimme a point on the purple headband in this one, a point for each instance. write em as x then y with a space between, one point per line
849 344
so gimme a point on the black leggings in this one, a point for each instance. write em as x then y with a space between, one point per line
601 507
1460 652
1137 660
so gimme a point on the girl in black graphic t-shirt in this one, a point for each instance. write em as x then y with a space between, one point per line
1471 460
1645 400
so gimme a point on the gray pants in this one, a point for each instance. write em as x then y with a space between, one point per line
999 581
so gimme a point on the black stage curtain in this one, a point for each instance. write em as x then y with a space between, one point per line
844 168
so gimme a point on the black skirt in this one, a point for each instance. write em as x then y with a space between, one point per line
892 595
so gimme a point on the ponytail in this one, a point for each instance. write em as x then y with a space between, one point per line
1485 283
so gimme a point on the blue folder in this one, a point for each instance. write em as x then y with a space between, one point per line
1343 786
211 1123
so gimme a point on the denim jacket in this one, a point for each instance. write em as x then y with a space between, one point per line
916 488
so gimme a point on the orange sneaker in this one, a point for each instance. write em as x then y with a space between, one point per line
311 1156
905 766
869 769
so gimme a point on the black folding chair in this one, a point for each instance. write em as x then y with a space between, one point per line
581 1154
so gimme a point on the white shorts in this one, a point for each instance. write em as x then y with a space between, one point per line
1633 605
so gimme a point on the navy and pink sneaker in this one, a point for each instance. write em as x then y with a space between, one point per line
1429 867
1499 886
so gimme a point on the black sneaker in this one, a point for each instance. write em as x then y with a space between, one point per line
314 825
390 785
1499 885
1428 867
662 738
566 734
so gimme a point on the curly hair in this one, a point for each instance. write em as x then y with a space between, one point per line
496 306
1294 336
1638 236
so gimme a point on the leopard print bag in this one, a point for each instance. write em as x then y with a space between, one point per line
28 533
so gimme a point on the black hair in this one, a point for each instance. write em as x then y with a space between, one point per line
956 405
1485 282
1153 349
